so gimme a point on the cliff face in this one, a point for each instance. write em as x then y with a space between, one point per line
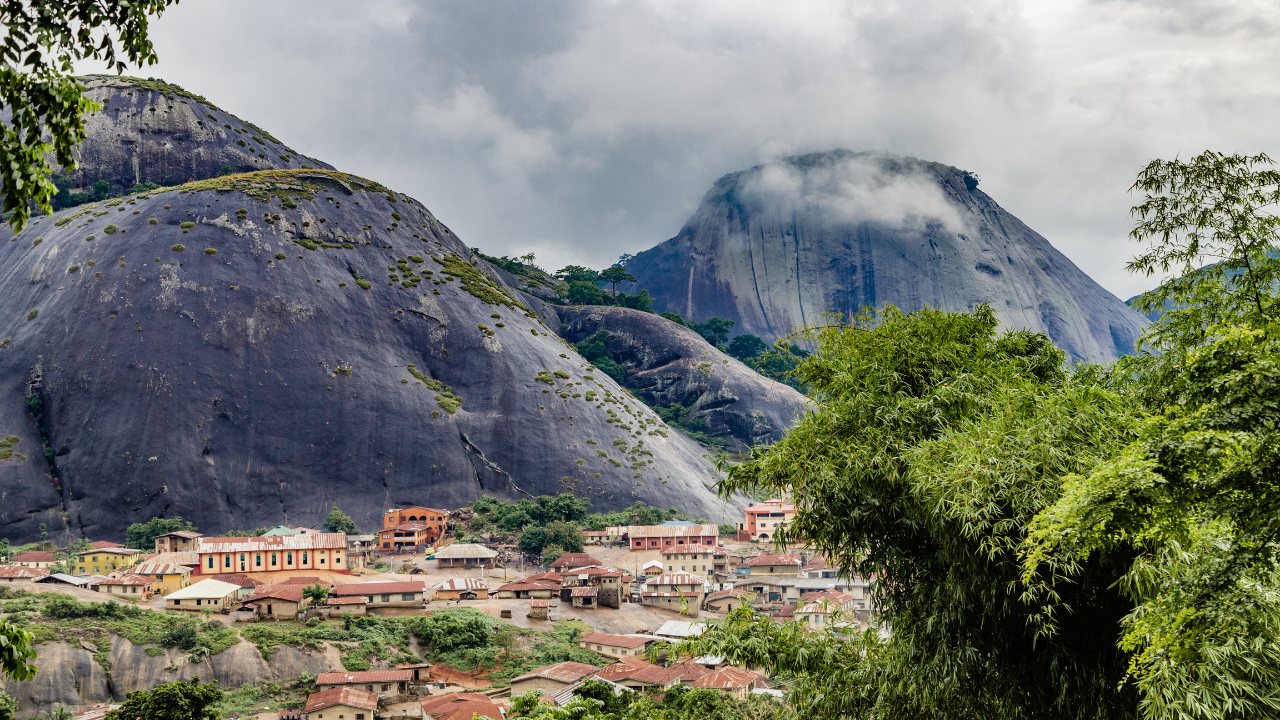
150 131
670 364
776 246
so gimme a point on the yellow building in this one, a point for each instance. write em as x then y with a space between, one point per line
103 561
168 577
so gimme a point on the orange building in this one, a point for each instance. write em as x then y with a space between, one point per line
322 551
764 519
412 527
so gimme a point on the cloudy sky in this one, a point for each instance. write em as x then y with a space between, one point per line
583 130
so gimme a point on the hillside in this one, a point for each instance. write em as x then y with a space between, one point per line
776 246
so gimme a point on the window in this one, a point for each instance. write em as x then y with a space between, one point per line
177 602
288 558
321 560
386 598
226 561
197 601
406 596
304 557
273 559
95 558
257 558
210 562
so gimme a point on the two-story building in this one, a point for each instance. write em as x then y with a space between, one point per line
653 537
106 560
605 582
419 527
763 520
166 577
689 558
678 592
616 645
178 541
390 685
318 551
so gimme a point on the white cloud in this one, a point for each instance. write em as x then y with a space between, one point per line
582 130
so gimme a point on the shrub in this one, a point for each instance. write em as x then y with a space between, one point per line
187 225
279 256
562 374
152 221
89 238
110 229
364 284
210 251
32 315
73 269
178 248
37 241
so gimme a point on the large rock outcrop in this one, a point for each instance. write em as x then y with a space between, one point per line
670 364
776 246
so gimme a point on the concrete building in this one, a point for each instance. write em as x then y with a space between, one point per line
763 520
524 589
404 594
569 561
278 602
827 609
356 605
318 551
551 678
652 537
466 555
178 541
689 558
167 577
775 564
390 685
538 609
21 574
34 559
616 645
677 582
653 568
106 560
205 595
430 525
606 581
584 596
341 704
137 587
461 589
727 600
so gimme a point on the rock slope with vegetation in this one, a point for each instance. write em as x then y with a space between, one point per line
777 246
254 349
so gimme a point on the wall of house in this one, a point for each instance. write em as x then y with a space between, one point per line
166 584
216 563
672 604
214 604
284 609
334 712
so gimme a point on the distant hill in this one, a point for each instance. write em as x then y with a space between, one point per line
776 246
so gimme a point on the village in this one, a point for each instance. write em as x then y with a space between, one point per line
630 587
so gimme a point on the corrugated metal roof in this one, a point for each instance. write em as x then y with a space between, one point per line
203 589
624 641
19 572
317 541
676 579
565 672
188 534
351 697
65 579
289 593
368 676
376 588
539 603
353 600
128 580
461 584
151 567
465 550
584 592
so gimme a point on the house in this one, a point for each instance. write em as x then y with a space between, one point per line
318 551
459 706
167 577
388 684
538 609
523 589
583 596
355 604
106 560
775 564
21 574
689 558
606 581
279 602
205 595
465 555
548 578
411 528
736 681
727 600
341 704
246 585
178 541
635 673
461 589
573 560
649 537
34 559
653 568
826 609
595 537
138 587
405 594
565 695
73 581
551 678
763 520
677 582
793 590
616 645
685 603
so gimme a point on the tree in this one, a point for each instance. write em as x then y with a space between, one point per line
43 40
171 701
578 273
715 330
568 536
614 275
8 706
316 593
551 553
142 536
533 539
746 346
673 317
339 522
585 293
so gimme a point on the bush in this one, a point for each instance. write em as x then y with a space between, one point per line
210 251
364 284
152 221
178 248
187 225
110 229
32 315
280 256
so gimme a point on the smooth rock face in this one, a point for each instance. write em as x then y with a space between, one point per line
151 132
673 364
776 246
239 390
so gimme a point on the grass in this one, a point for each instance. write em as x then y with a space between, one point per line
477 283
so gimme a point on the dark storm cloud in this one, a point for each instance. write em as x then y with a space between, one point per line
583 130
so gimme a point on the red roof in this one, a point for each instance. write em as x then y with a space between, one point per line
34 556
624 641
19 572
774 559
728 593
554 577
378 588
100 544
593 570
128 580
584 592
345 601
574 560
460 706
289 593
352 697
565 672
521 585
242 580
368 676
539 603
728 678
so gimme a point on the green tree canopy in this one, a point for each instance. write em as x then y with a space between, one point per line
339 522
714 330
746 346
142 536
578 273
42 41
171 701
567 536
614 275
317 593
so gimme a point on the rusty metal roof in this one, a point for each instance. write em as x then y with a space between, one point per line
309 541
461 584
368 676
377 588
350 697
584 591
565 672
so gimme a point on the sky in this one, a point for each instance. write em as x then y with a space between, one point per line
580 131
